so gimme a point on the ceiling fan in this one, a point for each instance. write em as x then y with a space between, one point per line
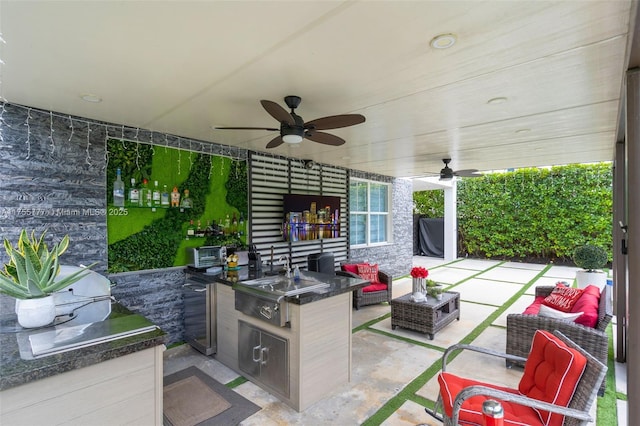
447 173
293 128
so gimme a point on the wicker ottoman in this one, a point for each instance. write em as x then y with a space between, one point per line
429 316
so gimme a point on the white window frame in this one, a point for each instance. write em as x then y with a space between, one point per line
368 214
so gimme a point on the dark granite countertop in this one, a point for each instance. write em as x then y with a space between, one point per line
18 366
338 284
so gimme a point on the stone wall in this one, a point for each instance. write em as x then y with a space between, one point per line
157 293
395 257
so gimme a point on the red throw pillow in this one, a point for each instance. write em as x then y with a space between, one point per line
350 267
563 298
588 303
369 272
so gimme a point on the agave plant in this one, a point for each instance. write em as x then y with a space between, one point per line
32 269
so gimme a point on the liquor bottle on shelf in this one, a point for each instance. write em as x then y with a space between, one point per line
186 202
145 194
164 196
199 230
241 224
118 190
134 194
227 225
156 194
234 224
191 230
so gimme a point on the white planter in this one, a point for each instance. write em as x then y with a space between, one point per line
585 278
34 313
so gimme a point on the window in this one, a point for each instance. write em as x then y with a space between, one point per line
369 212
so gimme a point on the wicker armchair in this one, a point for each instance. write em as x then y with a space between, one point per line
361 298
576 412
521 328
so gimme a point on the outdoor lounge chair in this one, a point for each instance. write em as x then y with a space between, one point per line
377 292
521 328
558 387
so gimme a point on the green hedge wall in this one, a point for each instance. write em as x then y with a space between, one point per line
532 213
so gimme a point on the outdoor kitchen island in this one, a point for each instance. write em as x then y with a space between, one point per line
296 346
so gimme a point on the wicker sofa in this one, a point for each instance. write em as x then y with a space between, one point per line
521 328
363 298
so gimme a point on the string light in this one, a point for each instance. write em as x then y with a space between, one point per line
190 160
137 149
179 154
2 123
71 126
53 144
106 150
210 160
214 149
88 159
28 134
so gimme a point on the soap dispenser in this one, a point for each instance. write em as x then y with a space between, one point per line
296 274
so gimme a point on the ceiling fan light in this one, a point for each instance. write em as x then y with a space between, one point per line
446 175
292 139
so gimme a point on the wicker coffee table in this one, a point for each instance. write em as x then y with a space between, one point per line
429 316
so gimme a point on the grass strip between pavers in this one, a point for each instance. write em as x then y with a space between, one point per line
236 382
408 393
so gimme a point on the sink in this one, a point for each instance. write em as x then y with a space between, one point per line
284 286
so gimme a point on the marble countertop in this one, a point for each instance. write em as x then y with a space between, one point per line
338 284
18 365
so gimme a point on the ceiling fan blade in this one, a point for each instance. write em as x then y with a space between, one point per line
325 138
335 121
245 128
277 112
468 173
277 141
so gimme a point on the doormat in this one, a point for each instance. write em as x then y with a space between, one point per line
191 397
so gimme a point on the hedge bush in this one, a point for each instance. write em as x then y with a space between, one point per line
532 213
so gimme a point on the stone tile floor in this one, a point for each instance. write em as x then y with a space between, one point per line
385 361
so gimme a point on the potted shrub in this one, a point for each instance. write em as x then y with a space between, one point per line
30 277
590 258
434 289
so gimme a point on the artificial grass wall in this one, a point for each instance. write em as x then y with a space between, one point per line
146 238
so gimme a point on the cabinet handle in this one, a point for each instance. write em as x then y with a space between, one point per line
264 355
266 312
258 357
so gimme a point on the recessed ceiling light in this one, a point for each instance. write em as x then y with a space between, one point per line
523 130
89 97
443 41
498 100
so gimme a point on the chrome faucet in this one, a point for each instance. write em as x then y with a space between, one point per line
287 269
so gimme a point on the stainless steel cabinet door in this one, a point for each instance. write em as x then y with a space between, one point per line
264 357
